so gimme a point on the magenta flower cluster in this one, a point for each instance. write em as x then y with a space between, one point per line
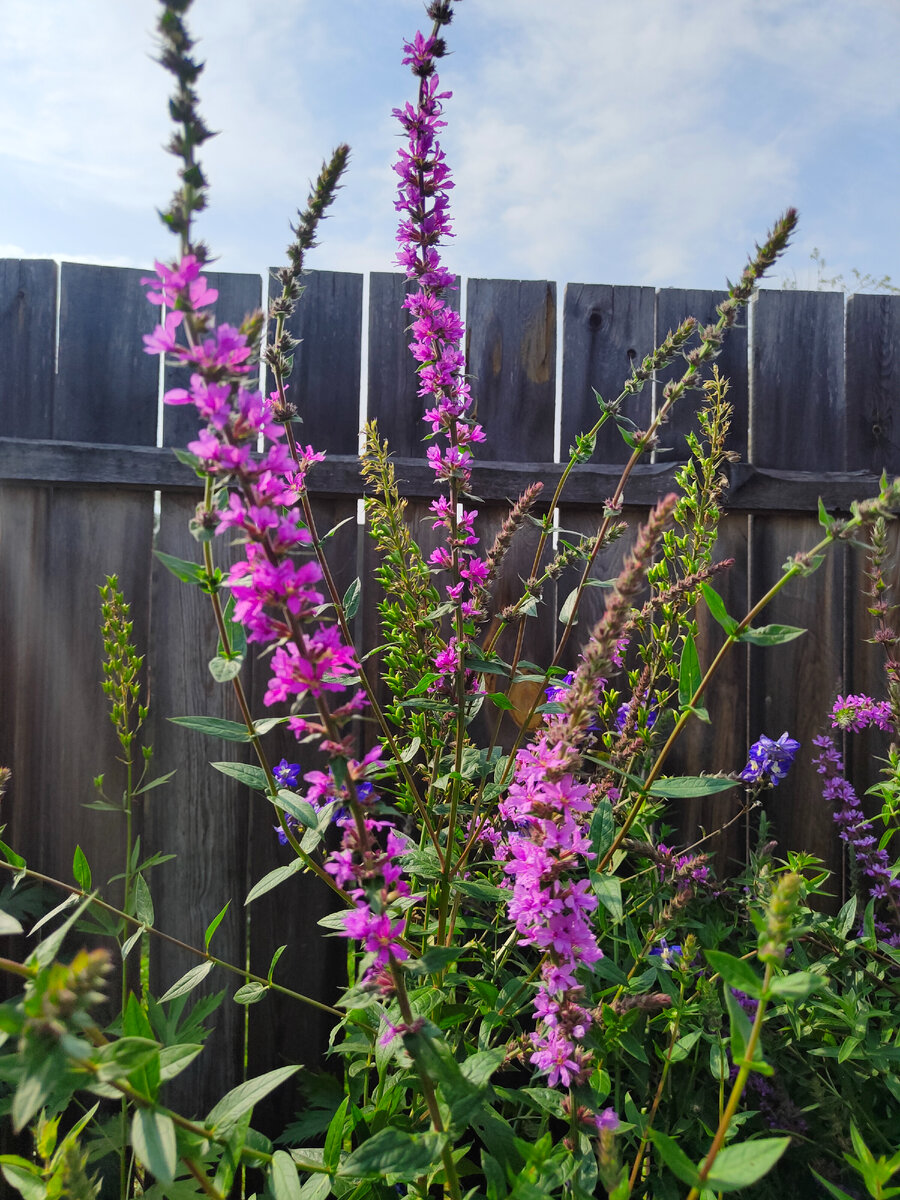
858 712
857 833
545 854
437 330
275 588
367 866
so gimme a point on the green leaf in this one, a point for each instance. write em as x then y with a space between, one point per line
736 973
246 773
9 924
249 993
685 787
174 1059
394 1152
299 808
228 731
153 1138
603 828
476 889
434 960
125 1055
845 918
796 986
675 1158
222 669
334 1138
771 635
24 1176
689 676
826 522
154 783
214 925
242 1098
717 609
187 982
81 870
739 1026
568 607
273 879
351 599
608 891
501 700
837 1192
187 572
15 860
742 1165
274 963
284 1182
143 902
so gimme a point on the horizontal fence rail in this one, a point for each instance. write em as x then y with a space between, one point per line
89 486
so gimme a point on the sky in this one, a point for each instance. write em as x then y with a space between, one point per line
592 141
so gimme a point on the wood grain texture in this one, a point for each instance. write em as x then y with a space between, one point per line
238 295
798 416
511 359
106 387
28 338
200 815
792 686
672 306
607 331
872 383
55 731
324 384
723 745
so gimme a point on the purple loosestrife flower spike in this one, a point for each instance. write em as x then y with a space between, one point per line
873 865
437 331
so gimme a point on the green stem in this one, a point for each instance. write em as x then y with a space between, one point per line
166 937
737 1090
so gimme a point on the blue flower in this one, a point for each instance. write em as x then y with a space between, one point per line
770 759
649 713
666 952
286 774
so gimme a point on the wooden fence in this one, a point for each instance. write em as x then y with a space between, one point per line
88 485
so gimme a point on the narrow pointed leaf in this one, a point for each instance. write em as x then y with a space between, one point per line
153 1138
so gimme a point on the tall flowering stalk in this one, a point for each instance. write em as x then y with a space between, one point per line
873 866
255 495
437 331
548 851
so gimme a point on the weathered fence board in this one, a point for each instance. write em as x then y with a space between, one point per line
79 465
607 331
28 338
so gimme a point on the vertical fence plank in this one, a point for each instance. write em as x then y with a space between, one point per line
106 388
606 332
324 383
511 358
238 296
393 386
56 547
797 418
673 305
28 338
200 815
873 443
873 383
